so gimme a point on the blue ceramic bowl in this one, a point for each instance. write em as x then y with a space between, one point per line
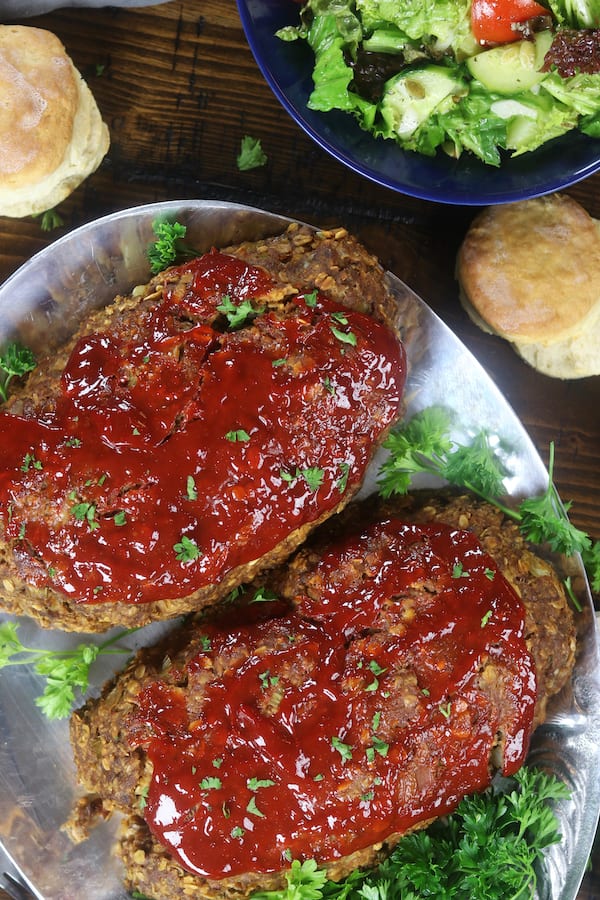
287 69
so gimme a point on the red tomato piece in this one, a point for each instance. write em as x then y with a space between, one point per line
492 20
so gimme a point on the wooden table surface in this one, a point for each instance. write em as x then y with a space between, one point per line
179 88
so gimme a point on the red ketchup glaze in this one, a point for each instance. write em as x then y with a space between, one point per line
181 451
342 719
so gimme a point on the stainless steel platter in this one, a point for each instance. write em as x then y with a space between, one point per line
41 304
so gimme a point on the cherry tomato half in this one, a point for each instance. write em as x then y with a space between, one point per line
492 20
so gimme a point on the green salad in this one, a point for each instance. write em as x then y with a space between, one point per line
491 77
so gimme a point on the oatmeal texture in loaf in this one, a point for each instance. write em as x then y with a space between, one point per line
193 433
420 709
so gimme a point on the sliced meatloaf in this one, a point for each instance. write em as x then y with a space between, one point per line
193 433
390 668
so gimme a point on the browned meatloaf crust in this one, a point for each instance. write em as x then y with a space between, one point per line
111 736
85 556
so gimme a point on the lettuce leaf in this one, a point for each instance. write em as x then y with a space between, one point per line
580 92
576 13
442 24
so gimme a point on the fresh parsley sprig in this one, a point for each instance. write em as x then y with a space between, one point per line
65 671
423 444
15 361
489 847
168 247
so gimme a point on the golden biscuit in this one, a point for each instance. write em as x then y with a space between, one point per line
51 132
530 272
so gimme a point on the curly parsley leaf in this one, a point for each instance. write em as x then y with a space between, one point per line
168 247
65 671
251 155
15 361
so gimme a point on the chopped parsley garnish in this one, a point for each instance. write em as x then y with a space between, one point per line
458 571
340 317
251 155
311 299
345 750
15 361
142 793
239 435
86 512
346 337
186 550
30 462
237 316
211 783
263 595
313 477
342 482
254 784
376 670
446 709
120 518
486 618
267 680
253 809
380 746
190 488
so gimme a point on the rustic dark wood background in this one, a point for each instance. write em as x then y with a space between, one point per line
179 88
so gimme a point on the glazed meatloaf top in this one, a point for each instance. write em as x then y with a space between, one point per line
193 433
390 669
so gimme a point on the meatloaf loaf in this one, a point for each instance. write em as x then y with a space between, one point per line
397 662
193 433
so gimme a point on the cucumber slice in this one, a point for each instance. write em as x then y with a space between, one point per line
412 96
511 68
